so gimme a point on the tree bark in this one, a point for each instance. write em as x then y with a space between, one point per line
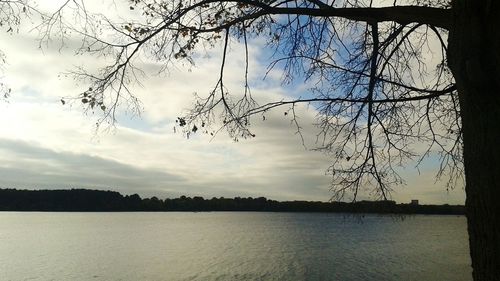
474 59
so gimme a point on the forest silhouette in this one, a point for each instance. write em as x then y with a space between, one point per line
85 200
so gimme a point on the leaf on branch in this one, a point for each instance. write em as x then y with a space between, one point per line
181 121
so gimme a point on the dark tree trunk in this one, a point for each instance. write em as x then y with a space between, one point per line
474 58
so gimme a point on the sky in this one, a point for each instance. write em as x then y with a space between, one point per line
47 145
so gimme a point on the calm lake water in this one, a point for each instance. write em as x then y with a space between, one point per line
232 246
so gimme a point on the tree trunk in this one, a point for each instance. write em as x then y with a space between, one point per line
474 58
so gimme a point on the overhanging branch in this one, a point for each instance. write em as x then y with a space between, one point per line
401 14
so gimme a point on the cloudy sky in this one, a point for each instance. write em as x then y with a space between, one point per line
44 144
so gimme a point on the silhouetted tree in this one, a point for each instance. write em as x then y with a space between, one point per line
376 94
11 13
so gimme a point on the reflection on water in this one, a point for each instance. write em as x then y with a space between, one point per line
231 246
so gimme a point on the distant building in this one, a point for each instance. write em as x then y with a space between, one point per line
414 202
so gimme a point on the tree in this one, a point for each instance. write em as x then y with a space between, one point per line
374 92
12 14
10 18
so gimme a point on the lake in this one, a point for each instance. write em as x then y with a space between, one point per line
232 246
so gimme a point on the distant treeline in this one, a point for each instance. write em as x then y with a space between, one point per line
84 200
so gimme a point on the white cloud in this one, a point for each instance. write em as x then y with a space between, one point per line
45 144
